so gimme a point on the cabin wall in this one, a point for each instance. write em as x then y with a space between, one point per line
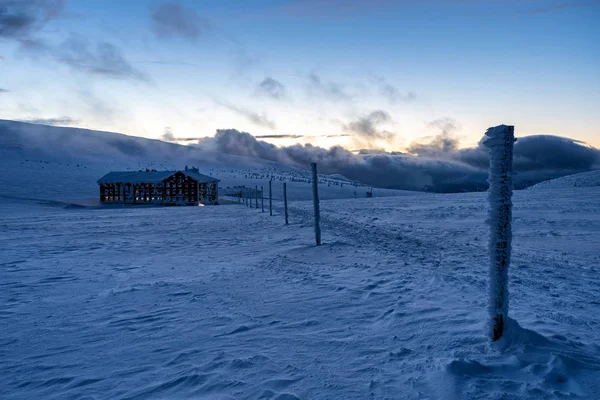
181 189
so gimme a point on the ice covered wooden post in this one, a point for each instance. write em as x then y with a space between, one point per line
315 189
262 198
270 198
285 209
499 141
256 196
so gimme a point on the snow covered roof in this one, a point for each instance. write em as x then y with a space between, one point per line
194 174
150 176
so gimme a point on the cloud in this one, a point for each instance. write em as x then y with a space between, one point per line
536 158
63 121
173 20
281 136
393 94
4 90
380 170
329 90
440 145
168 136
284 136
367 127
445 124
23 20
19 19
261 120
272 88
101 58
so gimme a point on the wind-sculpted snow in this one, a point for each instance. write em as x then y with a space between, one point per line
226 302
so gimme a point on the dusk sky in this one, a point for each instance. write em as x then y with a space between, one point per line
368 74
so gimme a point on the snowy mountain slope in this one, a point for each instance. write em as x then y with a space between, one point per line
226 302
63 164
584 179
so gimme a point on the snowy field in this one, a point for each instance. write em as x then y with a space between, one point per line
228 303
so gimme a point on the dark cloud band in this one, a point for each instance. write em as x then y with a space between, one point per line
536 158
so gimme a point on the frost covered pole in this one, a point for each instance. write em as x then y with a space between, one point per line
256 196
285 202
315 190
262 198
270 198
499 141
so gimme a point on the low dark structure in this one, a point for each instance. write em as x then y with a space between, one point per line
185 188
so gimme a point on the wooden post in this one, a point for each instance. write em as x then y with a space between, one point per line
262 198
285 207
270 198
315 187
256 196
499 141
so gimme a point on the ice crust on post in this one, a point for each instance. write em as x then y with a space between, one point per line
499 141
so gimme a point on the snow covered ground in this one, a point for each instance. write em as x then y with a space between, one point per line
228 303
583 179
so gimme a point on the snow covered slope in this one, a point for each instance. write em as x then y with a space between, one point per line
63 164
584 179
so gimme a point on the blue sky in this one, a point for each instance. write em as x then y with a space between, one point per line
368 74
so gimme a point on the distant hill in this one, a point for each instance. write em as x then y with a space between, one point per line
583 179
63 164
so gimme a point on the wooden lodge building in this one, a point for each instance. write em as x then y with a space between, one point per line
169 188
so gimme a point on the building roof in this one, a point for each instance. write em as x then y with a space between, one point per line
151 176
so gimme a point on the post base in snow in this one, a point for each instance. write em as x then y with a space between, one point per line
498 327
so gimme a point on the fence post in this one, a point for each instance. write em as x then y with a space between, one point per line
262 198
315 189
271 198
499 141
256 197
285 208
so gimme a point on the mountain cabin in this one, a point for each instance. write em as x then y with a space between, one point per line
150 187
